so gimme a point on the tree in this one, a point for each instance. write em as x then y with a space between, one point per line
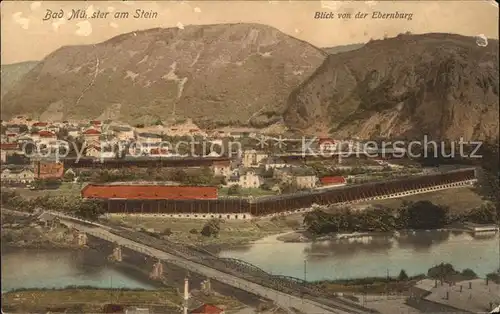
402 275
484 214
441 271
469 273
211 228
167 232
89 209
69 176
422 215
234 190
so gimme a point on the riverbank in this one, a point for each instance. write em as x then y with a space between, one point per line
231 233
29 232
307 237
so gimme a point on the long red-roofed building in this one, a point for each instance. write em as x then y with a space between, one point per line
149 192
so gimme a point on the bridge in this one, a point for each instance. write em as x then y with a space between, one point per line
287 292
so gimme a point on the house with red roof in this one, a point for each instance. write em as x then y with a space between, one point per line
40 125
331 181
47 135
92 135
207 309
7 149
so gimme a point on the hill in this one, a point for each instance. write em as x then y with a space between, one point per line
344 48
12 73
214 74
440 85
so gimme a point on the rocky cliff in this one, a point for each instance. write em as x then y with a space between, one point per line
441 85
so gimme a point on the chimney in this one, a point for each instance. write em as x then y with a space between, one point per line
186 295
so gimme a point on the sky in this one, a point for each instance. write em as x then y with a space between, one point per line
25 36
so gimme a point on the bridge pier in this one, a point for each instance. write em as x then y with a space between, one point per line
81 238
117 254
157 271
206 286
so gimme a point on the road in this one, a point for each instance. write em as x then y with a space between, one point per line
279 298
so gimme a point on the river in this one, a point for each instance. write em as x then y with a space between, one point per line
372 256
61 268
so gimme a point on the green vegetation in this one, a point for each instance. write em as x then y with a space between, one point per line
231 232
211 228
86 299
236 190
397 284
495 277
411 215
203 176
73 205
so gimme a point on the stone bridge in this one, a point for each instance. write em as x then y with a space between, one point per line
287 292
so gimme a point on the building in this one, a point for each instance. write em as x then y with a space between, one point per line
40 125
96 123
222 168
247 180
91 135
123 133
331 181
8 149
274 163
93 150
302 178
48 170
17 175
149 192
149 138
305 181
252 158
207 309
73 132
47 136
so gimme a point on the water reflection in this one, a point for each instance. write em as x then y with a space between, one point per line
348 247
58 269
422 241
373 256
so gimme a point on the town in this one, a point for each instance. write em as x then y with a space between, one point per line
35 152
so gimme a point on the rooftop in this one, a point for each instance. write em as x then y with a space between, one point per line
149 191
476 299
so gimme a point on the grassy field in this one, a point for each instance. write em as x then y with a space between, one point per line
66 189
91 299
459 199
247 192
232 232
